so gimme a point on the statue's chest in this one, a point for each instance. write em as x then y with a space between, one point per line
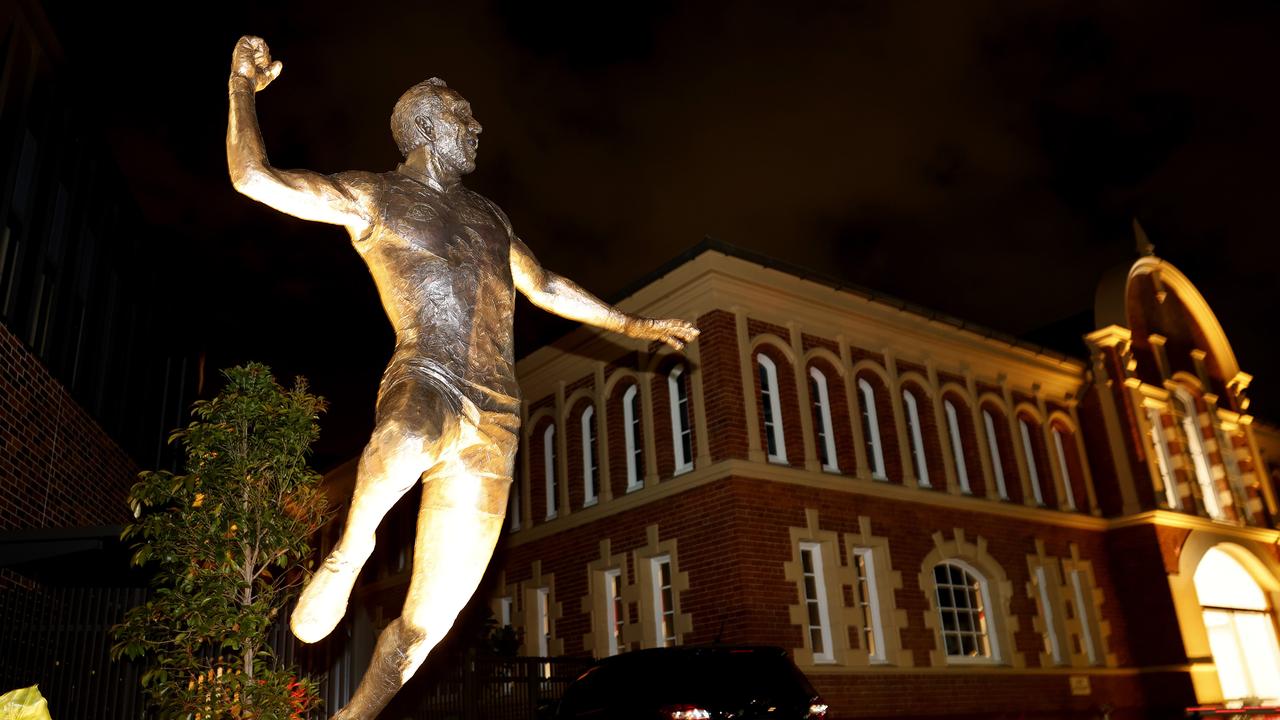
458 227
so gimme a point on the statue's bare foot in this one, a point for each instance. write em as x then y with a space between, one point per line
324 599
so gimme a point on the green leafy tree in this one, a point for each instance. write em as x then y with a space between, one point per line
229 543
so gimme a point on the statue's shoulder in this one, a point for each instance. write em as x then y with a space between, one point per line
362 186
482 201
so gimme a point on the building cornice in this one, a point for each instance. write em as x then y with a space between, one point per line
1167 518
715 281
865 487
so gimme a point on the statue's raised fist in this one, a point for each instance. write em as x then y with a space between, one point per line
252 60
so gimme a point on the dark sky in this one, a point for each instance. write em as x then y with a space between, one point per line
981 158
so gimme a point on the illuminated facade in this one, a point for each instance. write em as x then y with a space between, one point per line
934 519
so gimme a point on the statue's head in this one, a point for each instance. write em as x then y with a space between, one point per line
432 114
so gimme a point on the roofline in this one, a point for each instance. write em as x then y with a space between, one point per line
710 244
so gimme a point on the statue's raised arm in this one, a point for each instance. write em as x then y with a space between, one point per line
301 193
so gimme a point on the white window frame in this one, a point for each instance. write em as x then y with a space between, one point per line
632 438
1028 450
612 597
543 609
550 478
1070 499
871 429
814 551
1164 459
660 608
677 386
590 470
921 465
1050 619
773 413
505 606
826 430
957 450
993 447
1190 419
988 611
872 600
1084 611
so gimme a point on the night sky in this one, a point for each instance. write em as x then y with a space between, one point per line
984 159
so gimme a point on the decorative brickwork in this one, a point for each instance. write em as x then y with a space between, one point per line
57 467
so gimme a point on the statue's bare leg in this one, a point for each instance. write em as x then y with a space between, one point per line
464 501
415 425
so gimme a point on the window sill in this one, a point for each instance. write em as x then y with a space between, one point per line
682 470
634 488
831 469
966 660
590 502
777 460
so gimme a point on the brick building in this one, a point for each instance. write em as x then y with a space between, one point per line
89 385
934 519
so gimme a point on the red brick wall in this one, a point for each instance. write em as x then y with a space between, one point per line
722 386
733 539
57 467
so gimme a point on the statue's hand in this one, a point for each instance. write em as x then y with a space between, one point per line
251 60
674 332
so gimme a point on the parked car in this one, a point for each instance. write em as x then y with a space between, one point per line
718 682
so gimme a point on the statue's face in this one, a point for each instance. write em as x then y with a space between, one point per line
454 137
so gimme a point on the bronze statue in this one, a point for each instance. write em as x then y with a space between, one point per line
446 264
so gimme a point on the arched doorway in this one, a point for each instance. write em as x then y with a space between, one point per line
1240 626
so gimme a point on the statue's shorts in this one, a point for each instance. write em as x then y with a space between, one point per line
465 449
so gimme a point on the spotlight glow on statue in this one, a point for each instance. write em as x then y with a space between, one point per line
447 265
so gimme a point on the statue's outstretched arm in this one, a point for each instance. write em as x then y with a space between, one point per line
301 193
563 297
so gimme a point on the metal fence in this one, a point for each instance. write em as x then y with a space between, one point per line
60 639
486 688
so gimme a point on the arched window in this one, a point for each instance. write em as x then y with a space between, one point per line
1164 460
1242 634
918 462
771 407
1028 449
1195 448
1065 469
957 450
993 445
825 437
549 468
681 431
871 429
963 602
633 439
590 463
